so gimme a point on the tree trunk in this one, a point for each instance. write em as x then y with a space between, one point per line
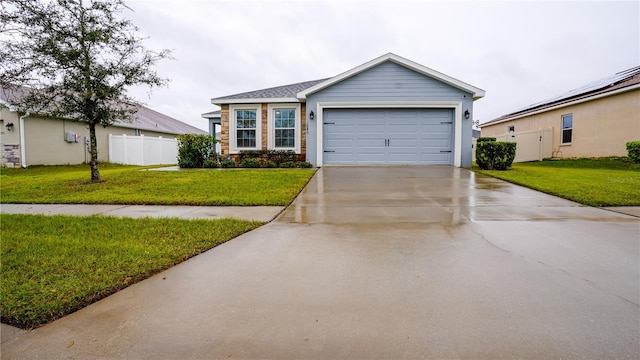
95 172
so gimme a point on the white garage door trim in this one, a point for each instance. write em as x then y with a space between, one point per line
457 106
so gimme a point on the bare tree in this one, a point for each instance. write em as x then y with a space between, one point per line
77 59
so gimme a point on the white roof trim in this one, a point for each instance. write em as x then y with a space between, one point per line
560 106
477 92
254 101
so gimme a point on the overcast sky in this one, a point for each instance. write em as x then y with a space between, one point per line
518 52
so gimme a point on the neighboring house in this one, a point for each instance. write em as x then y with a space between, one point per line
32 139
389 110
595 120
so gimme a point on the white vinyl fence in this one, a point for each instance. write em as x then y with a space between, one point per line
142 150
531 145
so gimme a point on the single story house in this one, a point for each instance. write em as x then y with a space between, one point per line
33 139
389 110
594 120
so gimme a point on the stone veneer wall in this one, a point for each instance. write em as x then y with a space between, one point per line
224 130
11 156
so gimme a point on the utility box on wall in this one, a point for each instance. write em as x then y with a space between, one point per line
71 137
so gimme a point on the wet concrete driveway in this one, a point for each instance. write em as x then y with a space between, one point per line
386 263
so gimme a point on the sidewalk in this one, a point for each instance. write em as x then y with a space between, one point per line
250 213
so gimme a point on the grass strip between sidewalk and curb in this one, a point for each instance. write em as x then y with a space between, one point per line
128 185
55 265
594 182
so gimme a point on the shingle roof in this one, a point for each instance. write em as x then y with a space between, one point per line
144 119
278 92
617 81
211 114
148 119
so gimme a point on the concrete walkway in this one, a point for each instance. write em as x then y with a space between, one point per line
382 263
251 213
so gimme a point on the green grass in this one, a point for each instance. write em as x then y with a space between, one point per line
55 265
594 182
128 185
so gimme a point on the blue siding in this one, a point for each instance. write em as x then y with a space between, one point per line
389 81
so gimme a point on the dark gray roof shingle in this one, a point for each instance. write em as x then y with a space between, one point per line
211 114
285 91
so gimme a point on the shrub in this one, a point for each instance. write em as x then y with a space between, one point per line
633 149
211 163
492 155
228 163
251 154
249 163
282 156
288 164
305 165
276 156
481 139
269 164
194 149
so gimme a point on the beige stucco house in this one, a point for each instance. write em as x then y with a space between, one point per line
595 120
32 139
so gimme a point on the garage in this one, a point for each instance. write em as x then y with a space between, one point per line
387 111
388 136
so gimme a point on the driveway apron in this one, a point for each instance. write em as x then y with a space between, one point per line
383 262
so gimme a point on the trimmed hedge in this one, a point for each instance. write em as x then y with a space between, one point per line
633 149
228 163
249 163
493 155
276 156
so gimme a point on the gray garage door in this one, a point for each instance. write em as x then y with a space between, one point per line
388 136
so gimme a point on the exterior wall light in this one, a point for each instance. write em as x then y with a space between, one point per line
466 114
9 126
312 115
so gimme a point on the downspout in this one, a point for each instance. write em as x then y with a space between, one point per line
23 152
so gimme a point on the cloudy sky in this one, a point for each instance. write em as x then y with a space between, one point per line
518 52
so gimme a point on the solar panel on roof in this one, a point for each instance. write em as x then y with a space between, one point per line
596 85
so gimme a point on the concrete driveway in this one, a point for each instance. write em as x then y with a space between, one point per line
383 262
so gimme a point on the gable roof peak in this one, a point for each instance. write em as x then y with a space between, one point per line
477 92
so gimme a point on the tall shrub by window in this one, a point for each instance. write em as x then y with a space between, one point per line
195 149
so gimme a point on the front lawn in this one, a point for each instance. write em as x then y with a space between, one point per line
595 182
55 265
128 185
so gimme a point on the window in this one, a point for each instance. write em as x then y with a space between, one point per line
245 128
567 128
512 128
285 128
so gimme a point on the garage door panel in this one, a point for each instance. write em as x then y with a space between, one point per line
388 136
404 129
435 144
340 143
363 144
